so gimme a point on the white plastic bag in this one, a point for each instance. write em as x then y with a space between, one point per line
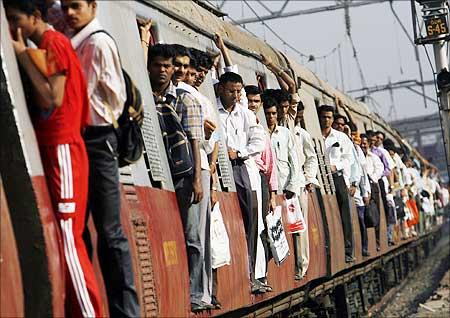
220 244
277 237
295 216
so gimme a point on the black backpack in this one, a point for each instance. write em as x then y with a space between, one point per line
128 125
178 147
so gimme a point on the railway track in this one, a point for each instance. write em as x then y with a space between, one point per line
391 286
412 293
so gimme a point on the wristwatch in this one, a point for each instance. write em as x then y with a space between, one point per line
354 184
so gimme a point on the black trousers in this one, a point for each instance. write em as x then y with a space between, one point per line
343 199
104 202
362 228
265 210
375 189
245 197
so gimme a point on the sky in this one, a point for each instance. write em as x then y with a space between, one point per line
383 49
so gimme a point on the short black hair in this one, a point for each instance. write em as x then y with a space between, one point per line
339 116
161 50
193 58
388 143
252 90
268 101
28 6
353 127
364 136
379 132
370 133
180 50
281 96
300 106
203 58
325 108
230 77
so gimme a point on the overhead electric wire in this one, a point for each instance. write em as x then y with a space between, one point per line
275 33
416 51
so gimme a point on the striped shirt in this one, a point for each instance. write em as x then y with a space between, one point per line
188 109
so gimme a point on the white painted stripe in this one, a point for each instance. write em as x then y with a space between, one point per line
61 171
69 172
75 270
69 263
66 172
79 269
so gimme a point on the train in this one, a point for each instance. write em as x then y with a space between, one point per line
31 263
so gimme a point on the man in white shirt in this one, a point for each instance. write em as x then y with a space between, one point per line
338 149
106 90
244 137
362 195
207 145
375 171
308 180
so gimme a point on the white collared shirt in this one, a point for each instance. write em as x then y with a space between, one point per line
307 157
101 65
288 166
363 189
241 131
374 166
341 154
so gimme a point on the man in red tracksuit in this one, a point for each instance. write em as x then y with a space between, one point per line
59 113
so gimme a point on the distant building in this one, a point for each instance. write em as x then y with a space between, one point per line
424 133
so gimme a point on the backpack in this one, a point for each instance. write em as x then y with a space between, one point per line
178 147
128 125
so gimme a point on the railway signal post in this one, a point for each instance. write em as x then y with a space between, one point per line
434 14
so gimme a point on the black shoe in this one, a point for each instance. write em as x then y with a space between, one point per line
215 303
365 254
349 259
378 249
391 243
197 308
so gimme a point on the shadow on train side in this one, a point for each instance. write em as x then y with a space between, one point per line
149 209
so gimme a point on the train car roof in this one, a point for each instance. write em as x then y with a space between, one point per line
208 23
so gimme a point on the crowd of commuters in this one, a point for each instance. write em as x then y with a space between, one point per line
78 92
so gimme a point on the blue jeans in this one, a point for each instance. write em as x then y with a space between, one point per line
191 226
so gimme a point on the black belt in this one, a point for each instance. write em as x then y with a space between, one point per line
338 173
237 162
93 131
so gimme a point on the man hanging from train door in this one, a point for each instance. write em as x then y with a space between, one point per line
255 183
244 138
59 115
208 145
309 164
265 161
338 149
99 58
188 187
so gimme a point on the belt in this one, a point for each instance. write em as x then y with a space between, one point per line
338 173
237 162
92 131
